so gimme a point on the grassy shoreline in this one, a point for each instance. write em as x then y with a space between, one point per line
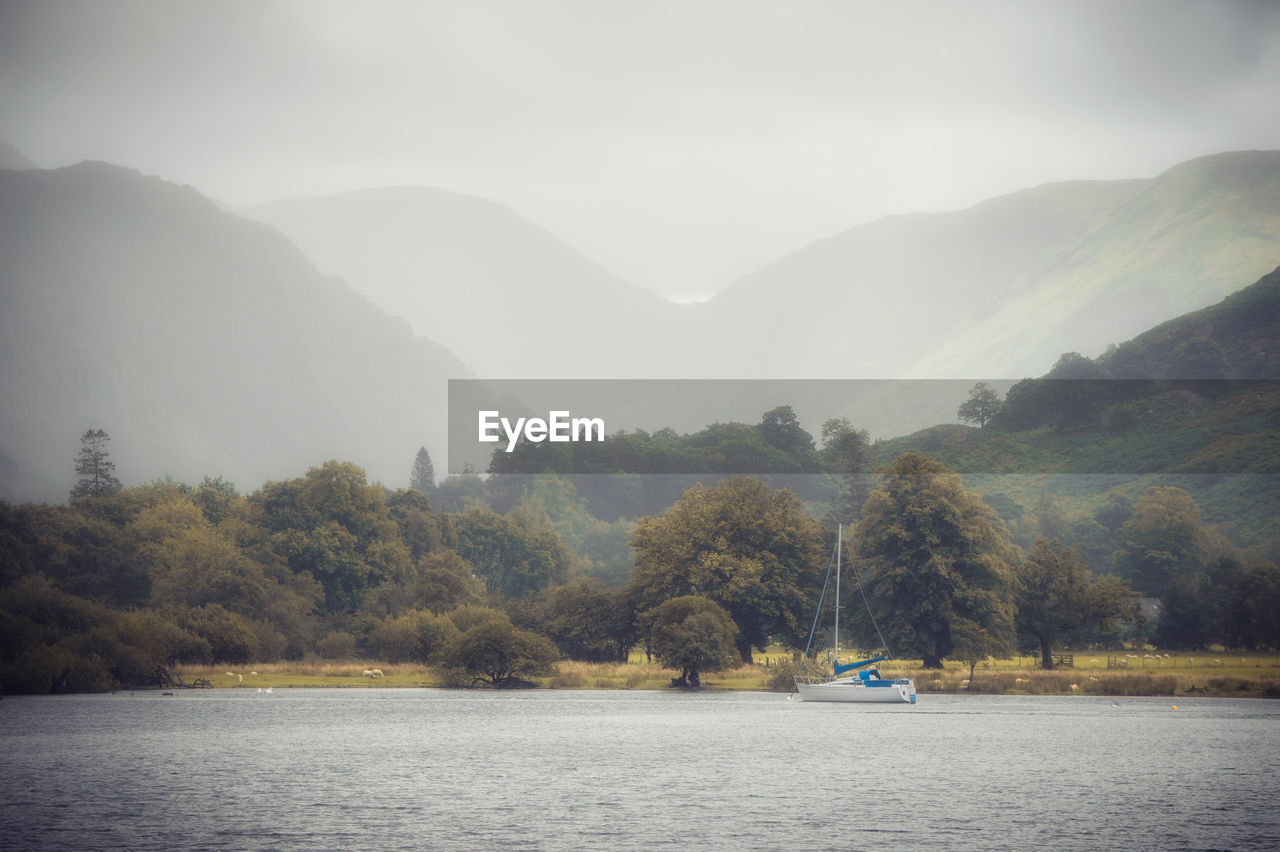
1114 674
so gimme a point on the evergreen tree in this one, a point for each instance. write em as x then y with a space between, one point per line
94 476
423 477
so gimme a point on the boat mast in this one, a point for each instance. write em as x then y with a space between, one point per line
836 630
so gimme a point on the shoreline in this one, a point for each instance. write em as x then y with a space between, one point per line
1260 680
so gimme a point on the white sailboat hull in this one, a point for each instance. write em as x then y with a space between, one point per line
847 689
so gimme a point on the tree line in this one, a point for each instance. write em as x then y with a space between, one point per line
491 585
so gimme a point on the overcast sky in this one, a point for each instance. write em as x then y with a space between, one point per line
679 144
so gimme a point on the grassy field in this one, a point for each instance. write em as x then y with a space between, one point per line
1093 673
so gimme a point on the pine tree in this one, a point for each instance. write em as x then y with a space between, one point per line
94 477
423 477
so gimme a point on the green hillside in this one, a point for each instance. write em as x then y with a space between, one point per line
1193 403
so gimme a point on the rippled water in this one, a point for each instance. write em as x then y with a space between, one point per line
424 769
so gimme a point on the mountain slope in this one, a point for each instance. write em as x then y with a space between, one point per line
13 159
509 297
201 342
1182 243
863 303
1001 289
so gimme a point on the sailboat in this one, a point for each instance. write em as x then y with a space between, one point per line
865 683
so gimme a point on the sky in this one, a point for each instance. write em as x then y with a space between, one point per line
680 145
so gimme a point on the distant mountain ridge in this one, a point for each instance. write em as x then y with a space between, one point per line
203 343
514 300
1184 242
999 289
859 304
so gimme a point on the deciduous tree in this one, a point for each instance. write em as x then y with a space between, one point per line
1162 541
335 527
982 405
931 553
691 633
492 650
1060 601
749 548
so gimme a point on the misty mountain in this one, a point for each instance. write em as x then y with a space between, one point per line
511 299
1182 243
203 343
11 158
998 290
865 303
1003 288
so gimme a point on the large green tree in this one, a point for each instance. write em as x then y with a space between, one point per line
334 526
515 554
691 633
749 548
588 622
1060 601
931 554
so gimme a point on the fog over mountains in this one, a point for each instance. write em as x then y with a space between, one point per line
206 343
481 280
203 343
998 290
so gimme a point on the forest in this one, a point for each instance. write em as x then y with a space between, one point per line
1124 500
491 580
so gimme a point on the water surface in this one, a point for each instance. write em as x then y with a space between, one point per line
439 769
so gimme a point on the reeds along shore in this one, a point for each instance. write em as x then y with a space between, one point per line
1251 676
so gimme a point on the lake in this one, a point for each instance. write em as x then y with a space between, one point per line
538 769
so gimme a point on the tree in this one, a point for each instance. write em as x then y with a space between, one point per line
982 405
589 623
492 650
1059 600
422 531
931 553
335 527
844 448
749 548
971 644
423 476
1187 619
94 477
417 635
691 633
781 428
515 554
1259 597
1162 541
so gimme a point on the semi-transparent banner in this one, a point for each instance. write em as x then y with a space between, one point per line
1098 426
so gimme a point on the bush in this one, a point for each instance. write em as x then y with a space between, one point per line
782 678
336 645
496 652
